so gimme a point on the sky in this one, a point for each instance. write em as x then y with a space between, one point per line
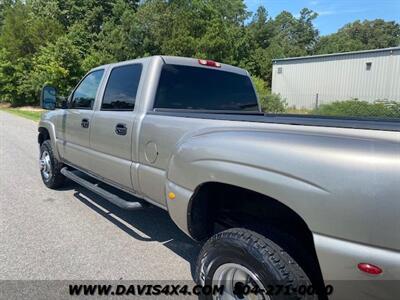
335 13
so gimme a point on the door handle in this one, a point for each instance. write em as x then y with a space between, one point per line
121 129
85 123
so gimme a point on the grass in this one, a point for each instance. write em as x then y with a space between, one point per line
298 111
358 108
28 114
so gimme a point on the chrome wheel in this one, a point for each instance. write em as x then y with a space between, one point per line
234 277
45 165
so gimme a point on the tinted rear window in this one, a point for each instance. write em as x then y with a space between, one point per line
184 87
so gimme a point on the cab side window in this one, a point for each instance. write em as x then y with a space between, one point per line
85 94
121 89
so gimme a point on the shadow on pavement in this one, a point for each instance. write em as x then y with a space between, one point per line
154 223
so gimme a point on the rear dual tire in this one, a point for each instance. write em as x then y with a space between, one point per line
242 261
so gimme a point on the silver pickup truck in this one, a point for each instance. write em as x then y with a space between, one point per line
294 200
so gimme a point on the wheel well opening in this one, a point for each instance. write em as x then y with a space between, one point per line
43 135
215 207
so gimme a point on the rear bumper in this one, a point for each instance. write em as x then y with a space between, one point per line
339 259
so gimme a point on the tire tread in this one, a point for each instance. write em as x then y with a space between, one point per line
259 246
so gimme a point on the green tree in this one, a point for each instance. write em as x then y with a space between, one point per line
296 37
56 41
8 77
260 29
199 28
13 73
57 64
361 36
4 5
284 36
22 33
92 13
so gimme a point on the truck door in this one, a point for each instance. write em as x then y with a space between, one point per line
76 121
112 126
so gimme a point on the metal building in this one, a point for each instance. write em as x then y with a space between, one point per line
309 81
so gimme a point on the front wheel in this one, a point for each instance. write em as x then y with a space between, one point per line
250 266
50 167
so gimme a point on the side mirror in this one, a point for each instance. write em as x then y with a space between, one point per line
48 97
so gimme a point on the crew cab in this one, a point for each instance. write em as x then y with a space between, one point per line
289 200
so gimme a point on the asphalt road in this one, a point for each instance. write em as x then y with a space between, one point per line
72 233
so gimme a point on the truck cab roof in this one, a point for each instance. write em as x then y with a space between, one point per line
177 60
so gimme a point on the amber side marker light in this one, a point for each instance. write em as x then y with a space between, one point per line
171 196
369 269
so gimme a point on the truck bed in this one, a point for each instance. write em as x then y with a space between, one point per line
292 119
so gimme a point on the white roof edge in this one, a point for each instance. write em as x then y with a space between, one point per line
336 54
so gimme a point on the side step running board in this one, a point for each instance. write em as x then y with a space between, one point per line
102 192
